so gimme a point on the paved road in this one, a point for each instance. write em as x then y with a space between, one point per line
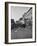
21 33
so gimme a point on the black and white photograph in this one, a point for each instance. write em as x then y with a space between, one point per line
21 22
20 18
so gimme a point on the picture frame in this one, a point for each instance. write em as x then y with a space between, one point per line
16 30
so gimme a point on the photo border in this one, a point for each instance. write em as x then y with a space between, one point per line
6 22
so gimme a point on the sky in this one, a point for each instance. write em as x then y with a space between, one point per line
17 12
